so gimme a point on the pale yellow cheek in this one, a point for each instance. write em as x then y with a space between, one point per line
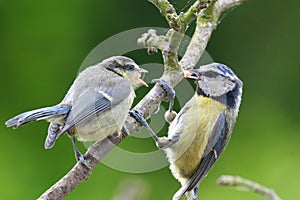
125 75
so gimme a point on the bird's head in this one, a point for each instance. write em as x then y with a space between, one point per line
126 68
216 80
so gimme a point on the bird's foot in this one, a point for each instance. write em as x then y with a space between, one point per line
165 142
170 114
140 119
80 158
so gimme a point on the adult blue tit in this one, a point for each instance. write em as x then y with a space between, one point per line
202 129
95 106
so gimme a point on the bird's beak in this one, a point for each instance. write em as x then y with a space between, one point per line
139 80
142 70
191 74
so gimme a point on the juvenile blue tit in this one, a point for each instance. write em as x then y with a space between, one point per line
95 106
202 129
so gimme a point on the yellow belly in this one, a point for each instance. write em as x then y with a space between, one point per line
195 126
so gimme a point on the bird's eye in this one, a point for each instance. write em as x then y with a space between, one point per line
128 67
211 74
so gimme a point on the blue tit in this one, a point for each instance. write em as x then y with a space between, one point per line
95 106
201 130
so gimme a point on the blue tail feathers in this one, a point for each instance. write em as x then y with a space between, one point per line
53 131
38 114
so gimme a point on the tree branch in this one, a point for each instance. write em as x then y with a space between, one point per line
80 172
193 11
152 41
207 20
167 10
207 17
243 184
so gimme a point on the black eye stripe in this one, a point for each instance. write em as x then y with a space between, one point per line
124 67
211 74
109 69
129 67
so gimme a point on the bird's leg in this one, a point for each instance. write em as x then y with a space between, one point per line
170 114
79 157
125 131
140 119
161 142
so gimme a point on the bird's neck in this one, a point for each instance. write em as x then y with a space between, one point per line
229 99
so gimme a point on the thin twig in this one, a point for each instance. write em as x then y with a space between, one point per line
207 20
152 41
193 11
167 10
243 184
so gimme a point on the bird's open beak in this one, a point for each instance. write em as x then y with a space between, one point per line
142 70
190 74
139 80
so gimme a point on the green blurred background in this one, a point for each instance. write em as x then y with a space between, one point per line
44 43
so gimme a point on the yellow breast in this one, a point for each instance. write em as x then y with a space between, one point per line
195 125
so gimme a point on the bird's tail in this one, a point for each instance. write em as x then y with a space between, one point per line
38 114
190 194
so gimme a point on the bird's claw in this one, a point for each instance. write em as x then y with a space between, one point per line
80 158
170 114
138 117
167 88
163 143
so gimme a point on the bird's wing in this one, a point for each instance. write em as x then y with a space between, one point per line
92 102
216 144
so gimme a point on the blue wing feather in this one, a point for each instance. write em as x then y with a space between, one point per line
211 153
92 102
